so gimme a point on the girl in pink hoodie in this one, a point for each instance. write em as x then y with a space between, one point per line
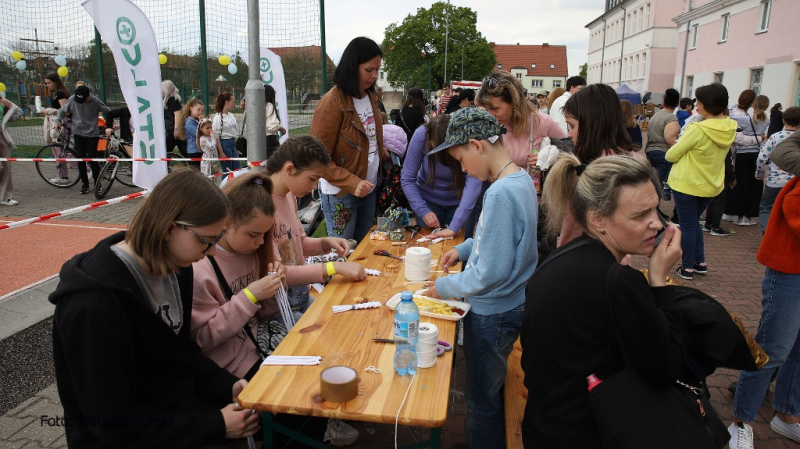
223 313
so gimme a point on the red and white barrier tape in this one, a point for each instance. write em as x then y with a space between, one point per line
110 159
74 210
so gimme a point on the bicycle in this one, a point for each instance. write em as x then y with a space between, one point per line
123 171
59 174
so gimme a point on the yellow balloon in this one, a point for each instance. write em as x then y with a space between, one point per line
224 59
17 55
63 71
2 87
162 59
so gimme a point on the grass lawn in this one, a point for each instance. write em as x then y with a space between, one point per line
36 121
25 151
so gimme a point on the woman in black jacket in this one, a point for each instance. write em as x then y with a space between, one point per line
566 326
412 115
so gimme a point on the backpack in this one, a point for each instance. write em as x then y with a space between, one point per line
390 192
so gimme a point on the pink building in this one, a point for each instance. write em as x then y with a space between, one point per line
743 44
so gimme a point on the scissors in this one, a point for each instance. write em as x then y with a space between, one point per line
383 252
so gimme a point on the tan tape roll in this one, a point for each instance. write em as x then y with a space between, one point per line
338 384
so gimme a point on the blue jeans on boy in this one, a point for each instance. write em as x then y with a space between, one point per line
488 341
229 148
779 336
349 216
445 216
768 198
689 208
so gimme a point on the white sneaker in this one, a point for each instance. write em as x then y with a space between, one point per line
744 221
60 181
741 436
750 222
9 202
731 218
339 433
791 431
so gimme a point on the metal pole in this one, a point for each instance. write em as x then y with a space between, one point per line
446 38
462 62
254 108
98 44
322 47
203 56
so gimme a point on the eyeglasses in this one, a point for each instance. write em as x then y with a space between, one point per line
202 239
489 83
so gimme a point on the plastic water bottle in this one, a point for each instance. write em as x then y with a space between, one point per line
406 327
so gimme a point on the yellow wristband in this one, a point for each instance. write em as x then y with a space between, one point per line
250 295
330 269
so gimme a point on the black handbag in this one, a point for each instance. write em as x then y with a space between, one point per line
241 141
632 414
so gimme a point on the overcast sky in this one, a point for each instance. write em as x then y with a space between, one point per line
557 22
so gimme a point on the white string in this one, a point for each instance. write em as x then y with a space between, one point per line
397 418
418 264
283 305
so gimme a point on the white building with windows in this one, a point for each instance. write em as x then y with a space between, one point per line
538 67
634 43
743 44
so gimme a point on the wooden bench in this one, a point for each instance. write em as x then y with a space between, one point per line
516 395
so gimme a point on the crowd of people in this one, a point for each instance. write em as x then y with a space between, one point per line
176 303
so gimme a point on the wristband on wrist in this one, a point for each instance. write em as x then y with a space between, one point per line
250 295
330 269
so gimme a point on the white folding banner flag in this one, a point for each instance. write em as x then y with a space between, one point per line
128 33
272 74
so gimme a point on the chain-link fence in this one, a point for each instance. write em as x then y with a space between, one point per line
186 30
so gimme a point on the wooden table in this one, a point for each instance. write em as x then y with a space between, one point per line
346 339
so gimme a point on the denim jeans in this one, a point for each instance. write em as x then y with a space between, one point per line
689 209
229 148
765 208
661 166
445 216
349 217
488 341
779 336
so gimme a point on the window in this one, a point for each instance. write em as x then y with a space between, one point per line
689 86
644 64
641 18
556 83
552 66
499 66
693 38
537 83
629 25
381 74
533 66
647 21
718 77
635 21
724 22
755 80
519 76
763 17
636 74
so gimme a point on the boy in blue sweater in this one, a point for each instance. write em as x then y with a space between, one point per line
500 260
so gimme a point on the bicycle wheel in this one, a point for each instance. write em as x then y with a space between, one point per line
106 178
124 169
57 174
176 164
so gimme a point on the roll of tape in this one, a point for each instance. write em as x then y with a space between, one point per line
338 384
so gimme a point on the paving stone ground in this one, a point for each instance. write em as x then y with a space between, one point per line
734 279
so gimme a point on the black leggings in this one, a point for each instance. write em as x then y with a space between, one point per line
87 147
745 198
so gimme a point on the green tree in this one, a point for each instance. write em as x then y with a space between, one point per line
420 38
584 69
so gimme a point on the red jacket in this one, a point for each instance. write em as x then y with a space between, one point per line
780 246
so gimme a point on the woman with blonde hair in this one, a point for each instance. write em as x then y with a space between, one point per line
171 102
503 96
630 123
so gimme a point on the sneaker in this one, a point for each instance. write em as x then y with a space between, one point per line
721 232
731 218
9 202
704 227
684 273
791 431
744 221
85 189
741 436
339 433
700 269
60 181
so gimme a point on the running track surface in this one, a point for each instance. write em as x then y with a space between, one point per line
37 251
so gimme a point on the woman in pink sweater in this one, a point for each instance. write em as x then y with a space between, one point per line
504 97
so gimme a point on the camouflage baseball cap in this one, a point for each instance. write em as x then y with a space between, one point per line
470 123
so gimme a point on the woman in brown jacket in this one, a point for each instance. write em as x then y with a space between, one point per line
345 123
